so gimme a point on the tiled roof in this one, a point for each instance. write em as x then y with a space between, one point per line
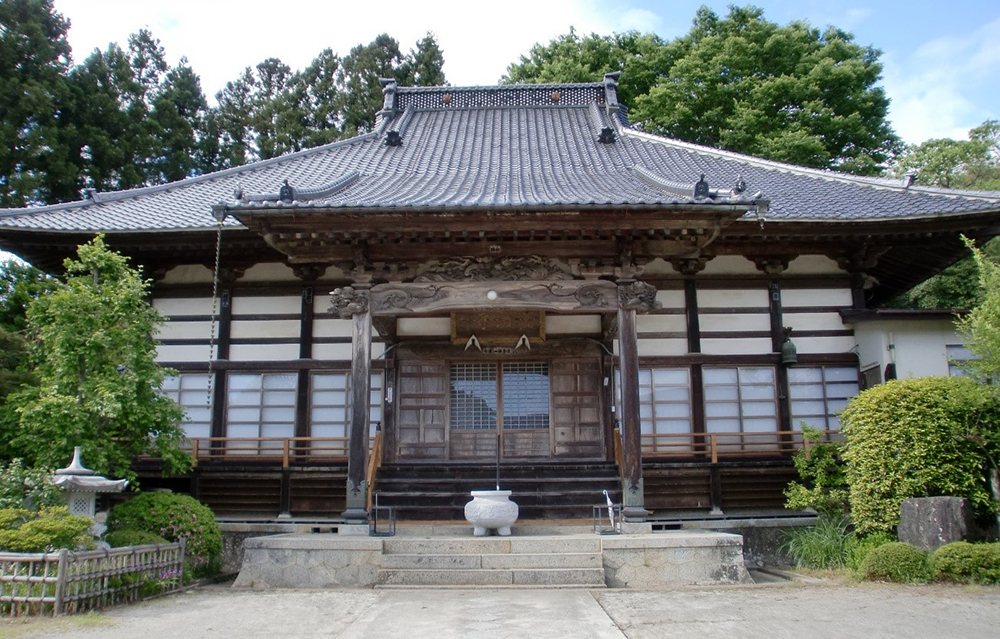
503 148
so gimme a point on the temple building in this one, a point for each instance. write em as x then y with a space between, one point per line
511 273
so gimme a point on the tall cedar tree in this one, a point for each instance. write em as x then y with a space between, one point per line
788 93
35 165
93 349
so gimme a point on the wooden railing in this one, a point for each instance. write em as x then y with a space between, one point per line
374 463
287 450
713 446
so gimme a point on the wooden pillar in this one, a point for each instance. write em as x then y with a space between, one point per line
632 297
777 340
352 302
221 353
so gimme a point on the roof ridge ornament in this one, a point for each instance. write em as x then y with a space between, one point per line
286 193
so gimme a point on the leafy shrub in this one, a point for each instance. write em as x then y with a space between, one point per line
174 517
824 480
863 546
896 561
823 546
132 537
47 530
967 563
22 487
917 438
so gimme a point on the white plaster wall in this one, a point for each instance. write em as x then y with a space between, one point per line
272 272
813 265
654 347
919 347
183 306
740 346
415 326
572 324
734 322
793 297
671 298
661 323
813 345
188 274
327 327
265 328
813 322
263 352
186 330
266 305
732 298
167 353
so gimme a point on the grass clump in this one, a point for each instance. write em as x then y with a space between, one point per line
962 562
897 562
823 546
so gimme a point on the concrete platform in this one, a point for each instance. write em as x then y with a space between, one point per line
567 559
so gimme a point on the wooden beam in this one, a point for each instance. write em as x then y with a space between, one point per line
559 296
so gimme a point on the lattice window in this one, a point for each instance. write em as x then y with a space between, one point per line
665 400
260 405
819 393
526 395
331 404
473 396
740 400
191 391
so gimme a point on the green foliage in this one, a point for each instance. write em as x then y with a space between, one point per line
823 546
132 537
962 562
981 327
789 93
47 530
824 478
917 438
896 562
862 547
94 355
174 517
30 488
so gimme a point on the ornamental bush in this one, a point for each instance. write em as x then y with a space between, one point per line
132 537
898 562
174 517
963 562
918 438
44 531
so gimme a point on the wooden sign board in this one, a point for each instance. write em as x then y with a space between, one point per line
498 328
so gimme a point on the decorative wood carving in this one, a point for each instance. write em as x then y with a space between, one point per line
772 264
861 259
229 274
565 296
309 272
348 301
689 265
481 269
638 296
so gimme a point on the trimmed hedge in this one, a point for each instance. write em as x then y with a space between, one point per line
898 562
917 438
963 562
174 517
132 537
47 530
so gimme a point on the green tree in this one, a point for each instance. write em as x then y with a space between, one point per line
570 58
35 164
958 164
94 354
981 327
358 79
424 66
789 93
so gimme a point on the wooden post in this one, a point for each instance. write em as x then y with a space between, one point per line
632 297
61 573
352 302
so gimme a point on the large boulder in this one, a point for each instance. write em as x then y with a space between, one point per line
931 522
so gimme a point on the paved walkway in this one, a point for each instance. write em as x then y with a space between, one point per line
775 612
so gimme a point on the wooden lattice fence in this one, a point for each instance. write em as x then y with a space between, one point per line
68 582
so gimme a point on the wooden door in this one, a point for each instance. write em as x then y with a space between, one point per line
422 431
577 428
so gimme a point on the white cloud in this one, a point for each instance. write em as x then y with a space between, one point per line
221 37
932 89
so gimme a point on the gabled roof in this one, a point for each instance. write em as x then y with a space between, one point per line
516 148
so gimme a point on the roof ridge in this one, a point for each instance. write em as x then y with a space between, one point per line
500 87
114 196
878 182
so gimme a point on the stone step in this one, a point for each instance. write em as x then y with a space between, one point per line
491 561
584 577
491 545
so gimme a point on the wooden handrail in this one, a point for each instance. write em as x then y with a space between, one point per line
716 445
244 448
374 463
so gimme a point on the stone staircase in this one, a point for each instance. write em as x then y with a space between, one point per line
492 562
541 490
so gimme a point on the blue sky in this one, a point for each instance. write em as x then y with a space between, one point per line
941 59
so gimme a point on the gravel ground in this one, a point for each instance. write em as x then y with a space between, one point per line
794 610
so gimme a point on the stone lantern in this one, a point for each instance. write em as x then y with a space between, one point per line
82 485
